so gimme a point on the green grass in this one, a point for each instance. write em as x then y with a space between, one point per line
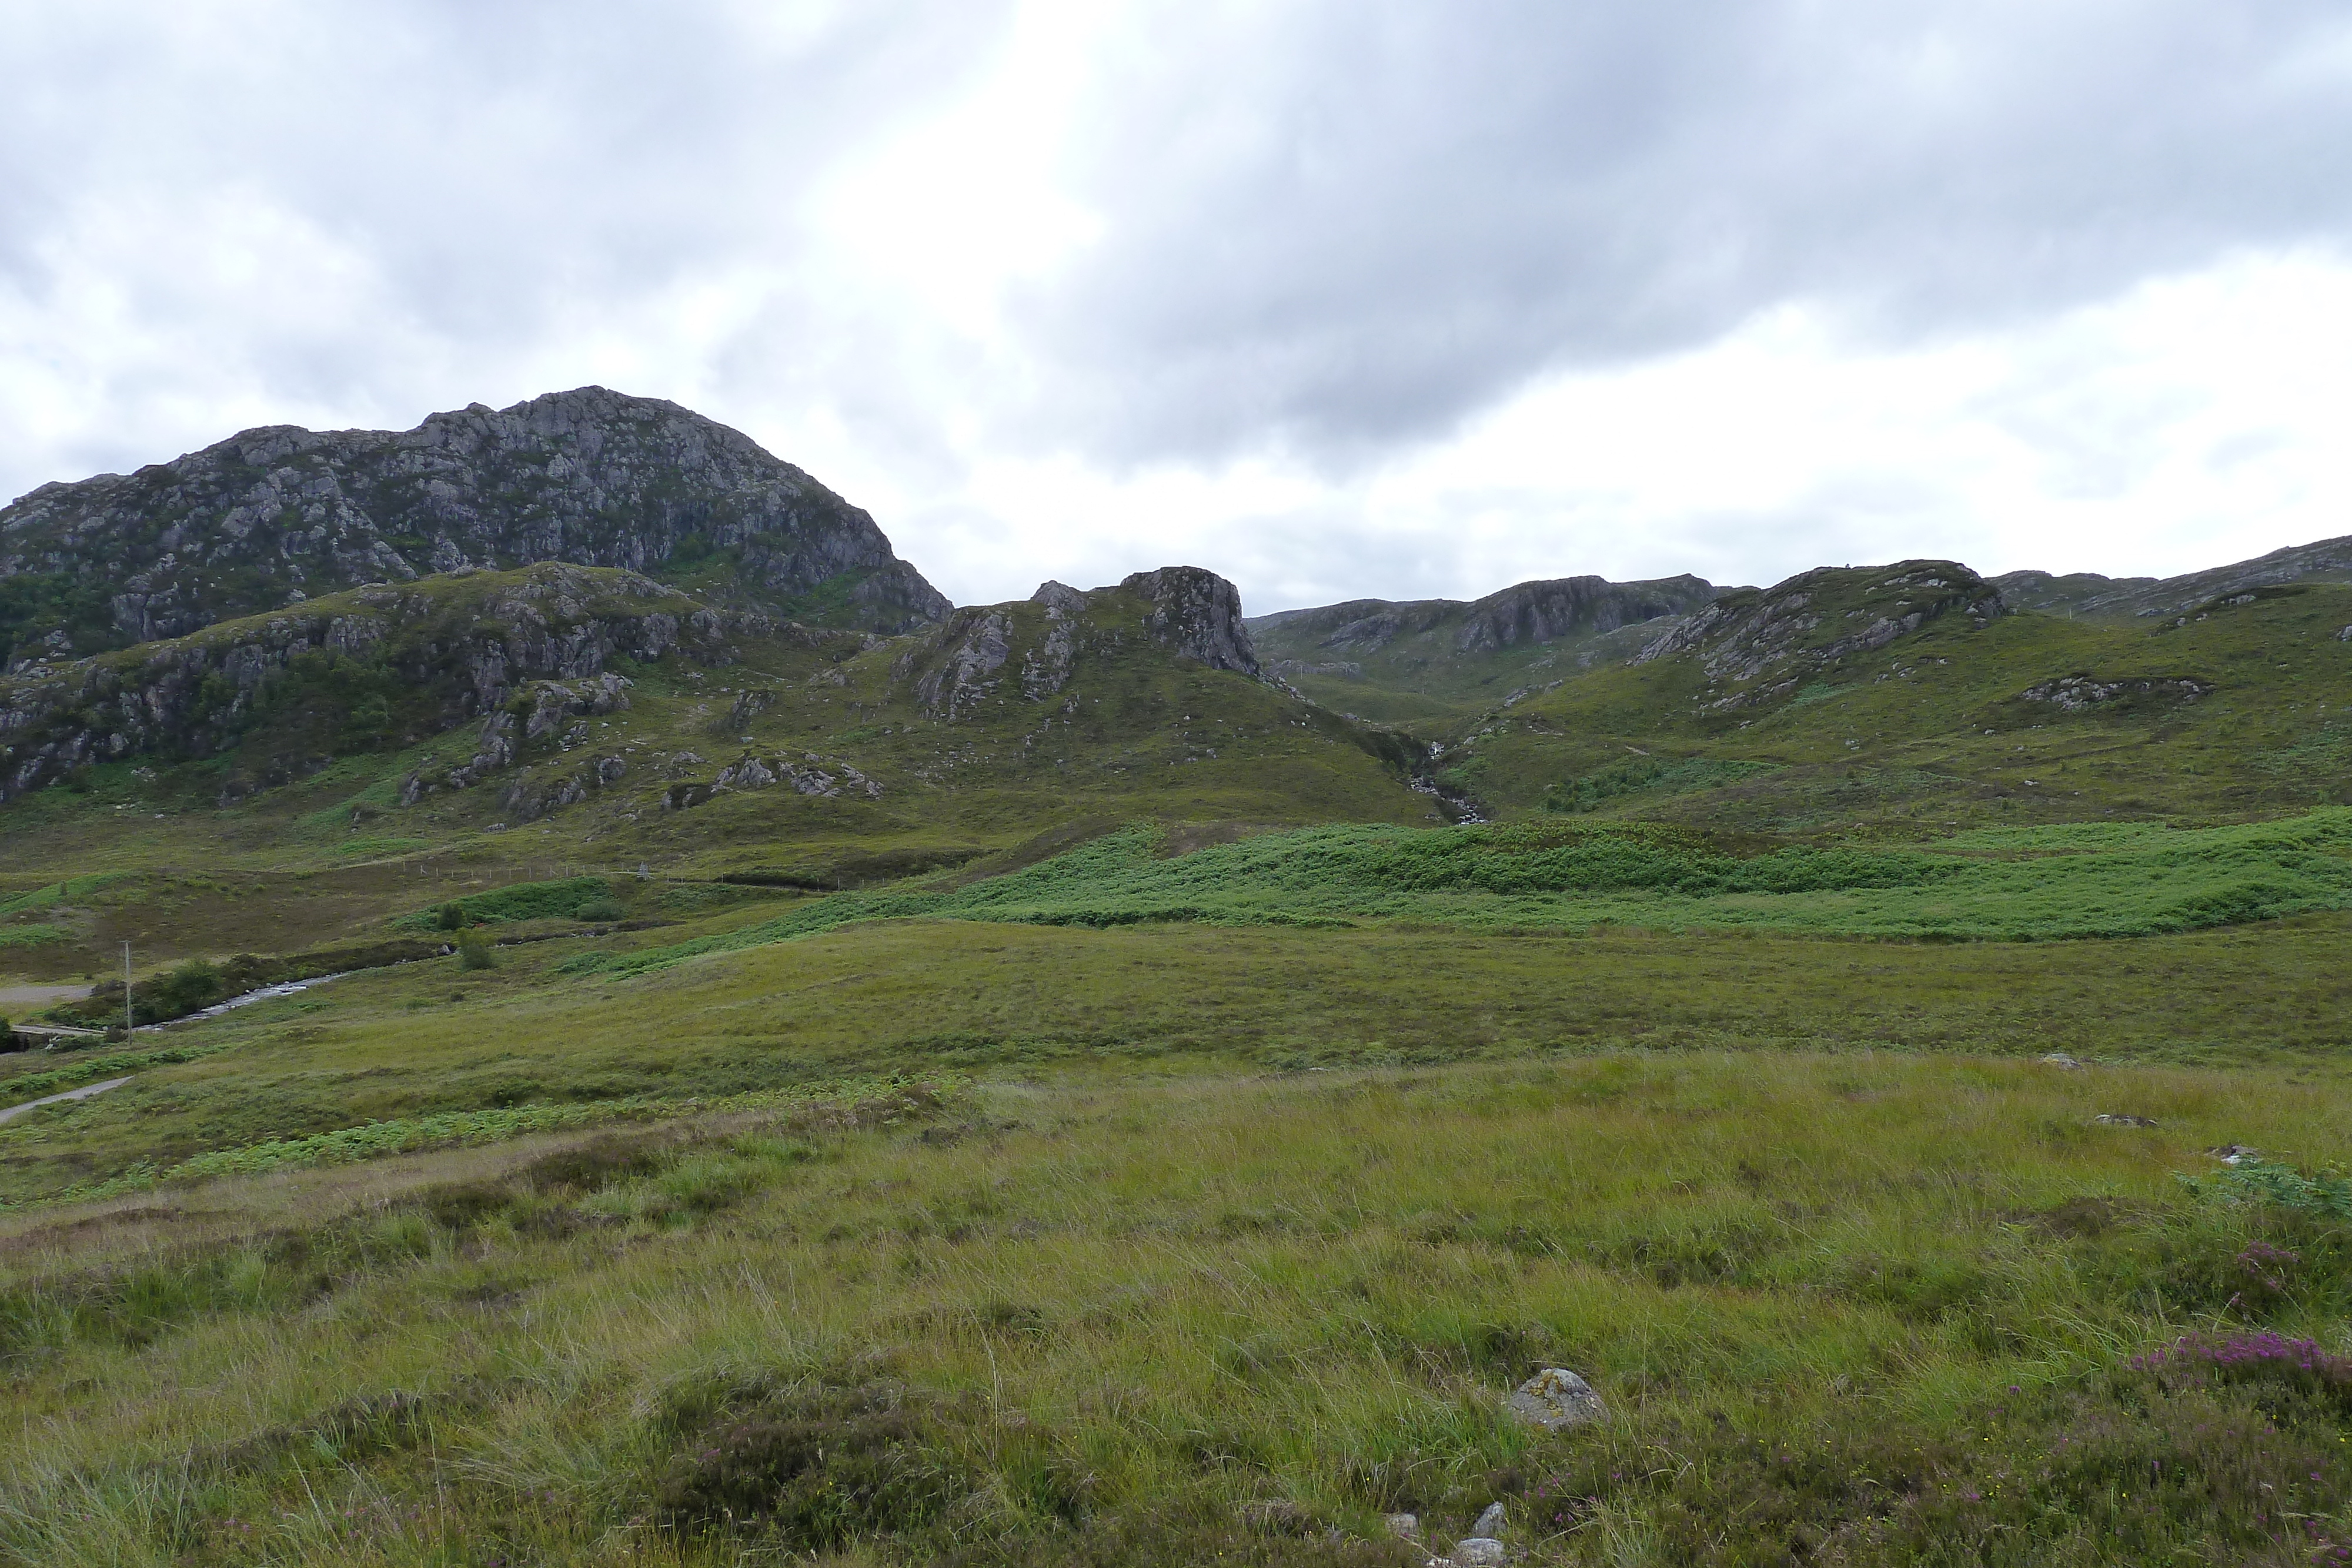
1889 1307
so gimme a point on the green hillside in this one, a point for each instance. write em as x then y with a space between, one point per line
2244 710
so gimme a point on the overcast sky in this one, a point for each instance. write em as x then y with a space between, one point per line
1341 299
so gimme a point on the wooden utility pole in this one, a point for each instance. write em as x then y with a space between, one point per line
127 1017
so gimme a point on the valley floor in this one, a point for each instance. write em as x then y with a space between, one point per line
933 1240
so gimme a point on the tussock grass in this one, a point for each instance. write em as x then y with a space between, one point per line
1041 1318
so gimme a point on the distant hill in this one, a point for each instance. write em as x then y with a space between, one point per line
2088 593
274 516
1419 658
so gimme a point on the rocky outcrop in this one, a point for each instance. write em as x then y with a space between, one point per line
1029 652
1761 645
272 517
526 653
1197 615
2074 694
814 775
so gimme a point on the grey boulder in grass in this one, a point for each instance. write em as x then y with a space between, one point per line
1556 1398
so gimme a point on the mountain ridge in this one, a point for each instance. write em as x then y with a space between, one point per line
272 515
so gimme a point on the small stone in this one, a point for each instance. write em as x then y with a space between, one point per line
1479 1552
2113 1119
1404 1526
2235 1155
1491 1524
1556 1398
2062 1061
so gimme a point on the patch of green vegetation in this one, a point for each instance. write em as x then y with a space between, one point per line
33 935
1654 775
1519 877
54 894
374 849
559 899
35 604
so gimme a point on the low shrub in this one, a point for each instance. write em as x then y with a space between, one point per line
819 1467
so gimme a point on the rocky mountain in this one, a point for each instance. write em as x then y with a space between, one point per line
275 515
2088 593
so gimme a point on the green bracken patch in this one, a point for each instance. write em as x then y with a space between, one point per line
2137 882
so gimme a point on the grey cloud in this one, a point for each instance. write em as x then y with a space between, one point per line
413 198
1364 220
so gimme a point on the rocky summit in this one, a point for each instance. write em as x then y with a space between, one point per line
274 516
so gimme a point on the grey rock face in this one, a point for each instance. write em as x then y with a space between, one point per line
1555 1398
1478 1551
1492 1523
1028 651
1198 614
592 477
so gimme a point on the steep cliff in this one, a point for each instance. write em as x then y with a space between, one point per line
270 517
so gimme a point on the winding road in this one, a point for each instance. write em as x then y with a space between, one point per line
84 1093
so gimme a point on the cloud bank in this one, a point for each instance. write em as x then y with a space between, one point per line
1341 299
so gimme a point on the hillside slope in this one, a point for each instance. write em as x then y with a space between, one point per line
269 516
2088 593
516 722
1423 659
1901 700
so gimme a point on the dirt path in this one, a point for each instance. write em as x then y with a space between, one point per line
84 1093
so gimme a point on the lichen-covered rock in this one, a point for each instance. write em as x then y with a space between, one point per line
1555 1398
275 515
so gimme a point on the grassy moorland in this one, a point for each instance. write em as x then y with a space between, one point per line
1137 1134
1850 1309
